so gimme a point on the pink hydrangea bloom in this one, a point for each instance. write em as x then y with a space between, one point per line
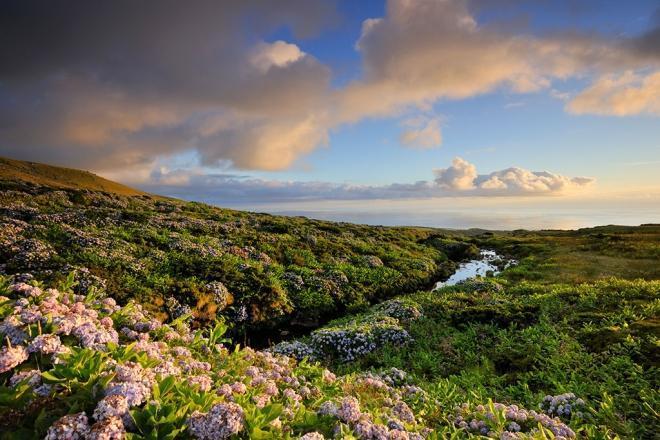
11 357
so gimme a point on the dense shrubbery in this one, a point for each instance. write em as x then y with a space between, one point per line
131 343
78 366
162 251
585 354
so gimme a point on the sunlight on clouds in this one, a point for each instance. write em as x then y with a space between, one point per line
622 95
459 176
279 54
421 132
462 176
224 92
458 180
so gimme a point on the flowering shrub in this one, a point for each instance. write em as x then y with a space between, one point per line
295 349
78 365
564 406
348 340
509 421
141 377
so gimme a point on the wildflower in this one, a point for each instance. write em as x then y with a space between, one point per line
225 390
312 436
181 351
12 328
397 434
202 381
403 412
110 428
328 408
11 357
292 395
328 376
222 421
261 400
271 388
45 344
25 290
111 406
69 427
135 393
349 410
238 388
32 378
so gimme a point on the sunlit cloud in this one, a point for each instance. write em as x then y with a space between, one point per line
222 90
461 179
421 132
620 95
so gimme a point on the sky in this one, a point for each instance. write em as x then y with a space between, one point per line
455 113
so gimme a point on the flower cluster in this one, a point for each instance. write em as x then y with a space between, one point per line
222 421
404 311
350 340
132 382
218 393
517 422
295 349
353 340
221 296
70 427
11 357
563 405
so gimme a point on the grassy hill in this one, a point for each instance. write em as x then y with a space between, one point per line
12 171
131 343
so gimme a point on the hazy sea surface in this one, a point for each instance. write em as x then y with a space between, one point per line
461 214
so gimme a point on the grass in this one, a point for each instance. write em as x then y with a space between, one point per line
578 314
12 171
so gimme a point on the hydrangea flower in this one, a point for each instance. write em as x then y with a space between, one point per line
12 356
45 344
222 421
111 406
349 410
312 436
69 427
110 428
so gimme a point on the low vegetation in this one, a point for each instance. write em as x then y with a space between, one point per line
140 317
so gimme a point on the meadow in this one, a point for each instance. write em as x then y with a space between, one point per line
143 317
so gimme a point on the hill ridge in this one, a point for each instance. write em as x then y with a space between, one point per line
36 173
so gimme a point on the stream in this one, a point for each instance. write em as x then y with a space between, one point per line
490 261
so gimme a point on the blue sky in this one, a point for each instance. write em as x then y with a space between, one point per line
495 130
256 104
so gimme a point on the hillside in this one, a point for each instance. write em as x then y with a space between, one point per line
12 171
255 269
128 317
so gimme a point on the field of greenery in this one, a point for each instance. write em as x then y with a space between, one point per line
256 270
128 317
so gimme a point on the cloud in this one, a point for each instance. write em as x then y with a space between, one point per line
277 54
108 85
620 95
462 176
119 85
649 42
421 132
520 181
458 180
459 176
426 50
